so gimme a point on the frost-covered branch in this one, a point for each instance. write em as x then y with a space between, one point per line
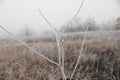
60 47
27 46
83 43
56 35
76 14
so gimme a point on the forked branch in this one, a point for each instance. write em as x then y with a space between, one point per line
56 35
60 47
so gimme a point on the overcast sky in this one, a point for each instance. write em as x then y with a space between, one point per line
15 14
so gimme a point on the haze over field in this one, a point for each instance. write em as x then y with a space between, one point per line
88 48
15 14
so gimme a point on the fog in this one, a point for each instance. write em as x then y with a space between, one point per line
15 14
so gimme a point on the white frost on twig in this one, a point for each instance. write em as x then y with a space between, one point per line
83 42
27 46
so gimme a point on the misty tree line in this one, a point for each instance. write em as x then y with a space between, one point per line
77 25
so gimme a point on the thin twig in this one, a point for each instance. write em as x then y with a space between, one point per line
25 44
63 73
47 20
74 16
56 35
60 50
83 42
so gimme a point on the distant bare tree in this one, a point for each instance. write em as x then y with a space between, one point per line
92 25
77 25
117 25
26 31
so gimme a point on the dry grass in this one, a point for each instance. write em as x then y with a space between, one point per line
99 61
